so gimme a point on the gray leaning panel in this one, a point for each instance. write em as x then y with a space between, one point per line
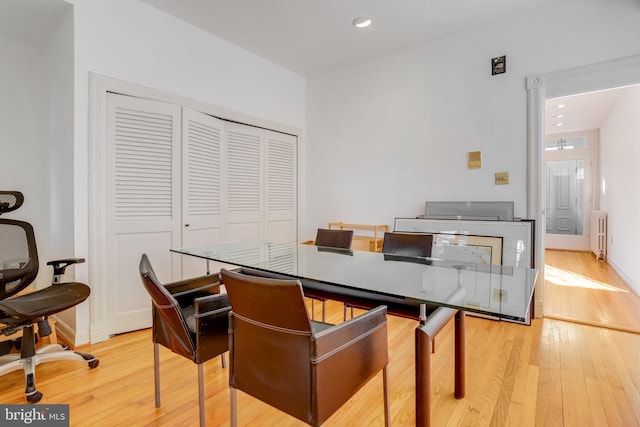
496 211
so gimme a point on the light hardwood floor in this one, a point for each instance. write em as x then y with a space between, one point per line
581 289
552 373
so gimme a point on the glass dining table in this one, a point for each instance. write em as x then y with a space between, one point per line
406 284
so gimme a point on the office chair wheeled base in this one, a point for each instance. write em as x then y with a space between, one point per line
48 353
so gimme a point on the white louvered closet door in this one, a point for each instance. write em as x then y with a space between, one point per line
202 183
280 188
244 187
143 203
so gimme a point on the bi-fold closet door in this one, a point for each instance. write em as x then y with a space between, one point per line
178 177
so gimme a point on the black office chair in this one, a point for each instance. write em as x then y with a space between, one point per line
18 269
190 318
306 369
402 246
335 239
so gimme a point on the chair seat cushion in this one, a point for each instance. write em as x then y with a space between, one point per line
44 302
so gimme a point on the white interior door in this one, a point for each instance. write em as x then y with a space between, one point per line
568 201
202 183
244 182
562 205
143 203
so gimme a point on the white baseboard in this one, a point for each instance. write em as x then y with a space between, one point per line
539 309
621 273
75 338
65 332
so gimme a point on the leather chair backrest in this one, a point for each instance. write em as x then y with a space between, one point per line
169 325
274 302
407 244
270 341
329 238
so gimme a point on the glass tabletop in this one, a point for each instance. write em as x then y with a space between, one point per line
504 292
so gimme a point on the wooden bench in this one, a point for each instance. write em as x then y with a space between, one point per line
364 242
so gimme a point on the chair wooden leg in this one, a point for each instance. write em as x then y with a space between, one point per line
156 371
385 385
324 310
313 309
201 393
223 357
234 407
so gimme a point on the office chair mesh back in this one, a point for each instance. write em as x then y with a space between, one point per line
18 255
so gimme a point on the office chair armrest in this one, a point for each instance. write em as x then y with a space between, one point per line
212 306
349 332
60 265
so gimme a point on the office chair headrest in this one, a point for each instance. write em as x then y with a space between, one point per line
10 201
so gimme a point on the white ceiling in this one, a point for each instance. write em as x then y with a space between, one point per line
313 36
31 20
581 112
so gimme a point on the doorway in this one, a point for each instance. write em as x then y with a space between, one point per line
589 78
575 288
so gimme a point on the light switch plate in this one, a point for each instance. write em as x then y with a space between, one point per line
474 160
502 178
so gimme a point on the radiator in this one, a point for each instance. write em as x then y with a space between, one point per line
599 234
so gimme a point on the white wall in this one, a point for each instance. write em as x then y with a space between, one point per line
387 134
23 136
620 156
58 57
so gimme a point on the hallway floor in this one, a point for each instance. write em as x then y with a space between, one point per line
580 289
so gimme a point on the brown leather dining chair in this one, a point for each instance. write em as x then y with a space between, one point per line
339 239
334 239
402 247
304 368
190 318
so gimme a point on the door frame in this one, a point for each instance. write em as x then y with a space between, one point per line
603 75
99 86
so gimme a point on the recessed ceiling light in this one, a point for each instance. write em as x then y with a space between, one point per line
361 22
561 105
559 116
559 124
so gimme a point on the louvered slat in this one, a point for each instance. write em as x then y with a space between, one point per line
243 174
281 175
203 170
142 165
